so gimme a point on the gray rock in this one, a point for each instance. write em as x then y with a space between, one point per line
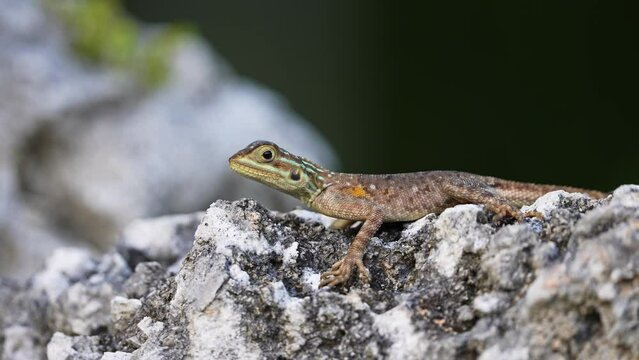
564 287
147 276
22 342
509 257
118 355
84 307
491 302
63 347
122 311
165 239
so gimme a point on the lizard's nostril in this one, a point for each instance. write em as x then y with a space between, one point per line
235 156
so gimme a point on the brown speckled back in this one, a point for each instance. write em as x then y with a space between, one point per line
409 196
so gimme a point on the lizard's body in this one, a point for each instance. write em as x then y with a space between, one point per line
375 199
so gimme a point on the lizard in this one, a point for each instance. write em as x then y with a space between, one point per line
375 199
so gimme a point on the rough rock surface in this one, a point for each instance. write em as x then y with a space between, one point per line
85 147
443 287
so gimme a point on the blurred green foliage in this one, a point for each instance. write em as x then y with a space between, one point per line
102 32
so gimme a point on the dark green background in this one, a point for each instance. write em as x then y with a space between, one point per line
542 91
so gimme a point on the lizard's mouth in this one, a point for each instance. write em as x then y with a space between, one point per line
252 172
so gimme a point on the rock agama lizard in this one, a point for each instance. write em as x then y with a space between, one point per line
375 199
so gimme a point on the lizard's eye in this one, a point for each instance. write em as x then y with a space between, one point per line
295 175
267 155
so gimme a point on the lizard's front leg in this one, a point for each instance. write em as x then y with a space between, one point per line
341 224
341 271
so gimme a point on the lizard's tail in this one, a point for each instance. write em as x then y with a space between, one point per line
526 193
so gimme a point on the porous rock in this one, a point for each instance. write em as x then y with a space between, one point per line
562 287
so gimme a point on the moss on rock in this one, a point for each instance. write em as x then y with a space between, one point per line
102 32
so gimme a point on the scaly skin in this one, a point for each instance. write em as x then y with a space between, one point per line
375 199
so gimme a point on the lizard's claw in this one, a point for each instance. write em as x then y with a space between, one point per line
518 215
535 214
341 271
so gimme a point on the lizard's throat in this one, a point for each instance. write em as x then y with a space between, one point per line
260 175
304 193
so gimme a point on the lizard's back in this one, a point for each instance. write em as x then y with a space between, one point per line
409 196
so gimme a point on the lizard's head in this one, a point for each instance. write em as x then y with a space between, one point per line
269 164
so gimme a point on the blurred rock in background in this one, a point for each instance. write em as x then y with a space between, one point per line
104 120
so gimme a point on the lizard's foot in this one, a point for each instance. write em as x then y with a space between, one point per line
508 212
518 215
535 214
341 271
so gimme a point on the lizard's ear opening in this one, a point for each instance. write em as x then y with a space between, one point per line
295 174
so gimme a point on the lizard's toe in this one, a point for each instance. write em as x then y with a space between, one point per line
535 214
333 278
519 216
513 212
340 272
508 212
364 274
337 265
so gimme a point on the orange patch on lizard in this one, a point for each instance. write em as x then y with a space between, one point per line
358 191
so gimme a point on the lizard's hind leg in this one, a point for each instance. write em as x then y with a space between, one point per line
478 193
